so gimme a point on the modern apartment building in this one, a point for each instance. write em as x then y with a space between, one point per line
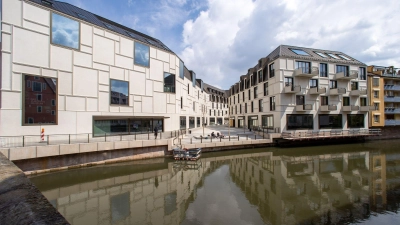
384 94
70 71
296 88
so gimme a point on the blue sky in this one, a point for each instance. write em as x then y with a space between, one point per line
220 39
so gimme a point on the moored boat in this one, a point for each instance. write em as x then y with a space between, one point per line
186 154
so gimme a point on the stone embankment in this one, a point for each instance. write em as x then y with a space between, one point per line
20 201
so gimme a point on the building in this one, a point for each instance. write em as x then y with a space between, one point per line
72 72
384 90
296 88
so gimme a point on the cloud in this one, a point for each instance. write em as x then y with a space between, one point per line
224 40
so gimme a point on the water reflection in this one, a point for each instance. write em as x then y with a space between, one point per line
258 187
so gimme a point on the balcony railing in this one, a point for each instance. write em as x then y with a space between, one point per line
392 110
290 88
302 108
328 107
392 99
306 71
392 87
392 122
349 108
337 91
366 108
345 75
358 92
317 90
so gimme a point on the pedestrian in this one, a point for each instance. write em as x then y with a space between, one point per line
155 132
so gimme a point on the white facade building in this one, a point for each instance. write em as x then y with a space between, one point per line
296 88
72 72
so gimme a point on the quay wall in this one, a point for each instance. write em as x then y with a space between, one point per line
20 201
387 133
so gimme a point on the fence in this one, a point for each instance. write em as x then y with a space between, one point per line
54 139
332 133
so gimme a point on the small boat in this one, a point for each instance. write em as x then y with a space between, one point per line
186 154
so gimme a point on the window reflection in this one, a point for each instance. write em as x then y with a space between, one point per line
120 207
119 92
142 54
40 94
64 31
169 82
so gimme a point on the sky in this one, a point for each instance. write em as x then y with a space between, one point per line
220 39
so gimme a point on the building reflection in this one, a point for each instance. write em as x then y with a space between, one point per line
315 189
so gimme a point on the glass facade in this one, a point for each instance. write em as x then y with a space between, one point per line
191 122
119 94
330 121
40 98
64 31
355 121
126 126
183 122
169 82
299 121
267 121
142 54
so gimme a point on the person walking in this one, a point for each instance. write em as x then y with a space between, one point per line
155 132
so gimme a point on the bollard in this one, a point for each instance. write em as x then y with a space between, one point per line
255 137
87 138
220 139
238 137
135 136
23 141
211 139
105 137
190 140
229 137
160 135
69 138
247 137
263 133
201 139
120 137
148 136
180 141
171 133
48 140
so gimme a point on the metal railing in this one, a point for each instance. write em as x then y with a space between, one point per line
392 122
56 139
331 133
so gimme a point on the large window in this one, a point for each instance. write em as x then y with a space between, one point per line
191 122
363 75
260 105
252 106
245 107
255 92
313 83
183 122
169 82
346 101
344 69
332 84
355 121
142 54
299 121
323 70
272 103
260 76
363 101
193 79
332 121
267 121
304 66
265 88
354 85
39 102
375 82
271 70
181 68
324 100
119 92
64 31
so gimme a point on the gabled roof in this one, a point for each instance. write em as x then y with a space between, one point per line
286 51
97 20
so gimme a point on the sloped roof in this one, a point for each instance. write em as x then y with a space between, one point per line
97 20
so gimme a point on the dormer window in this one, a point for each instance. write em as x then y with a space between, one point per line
332 55
321 54
299 52
109 26
47 2
81 16
344 57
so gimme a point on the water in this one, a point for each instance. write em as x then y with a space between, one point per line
341 184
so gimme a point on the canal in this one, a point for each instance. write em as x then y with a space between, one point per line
340 184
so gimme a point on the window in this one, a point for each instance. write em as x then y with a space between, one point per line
37 100
119 92
240 109
324 100
64 31
304 66
355 121
376 106
260 76
265 88
323 70
272 103
331 121
344 69
267 121
245 107
191 122
376 94
332 55
363 75
182 103
44 86
189 88
109 26
243 95
249 94
375 82
321 54
81 16
193 79
313 83
183 122
299 121
354 85
271 70
260 105
344 57
53 113
299 52
255 92
332 84
142 54
288 81
194 106
346 101
376 118
252 106
234 99
181 69
363 101
300 100
169 82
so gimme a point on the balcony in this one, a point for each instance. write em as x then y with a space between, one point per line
367 108
291 89
302 108
326 108
353 74
349 108
392 99
392 110
392 87
317 91
337 91
306 72
358 92
392 122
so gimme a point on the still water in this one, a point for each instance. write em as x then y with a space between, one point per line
341 184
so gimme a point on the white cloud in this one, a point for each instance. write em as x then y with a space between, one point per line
227 39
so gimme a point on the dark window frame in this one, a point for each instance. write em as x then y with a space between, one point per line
303 125
329 118
350 120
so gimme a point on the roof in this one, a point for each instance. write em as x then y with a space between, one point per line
285 51
97 20
208 86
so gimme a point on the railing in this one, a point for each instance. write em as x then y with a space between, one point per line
352 74
392 99
304 107
392 110
366 108
331 133
348 108
337 91
290 88
55 139
358 92
391 87
328 107
392 122
307 71
317 90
